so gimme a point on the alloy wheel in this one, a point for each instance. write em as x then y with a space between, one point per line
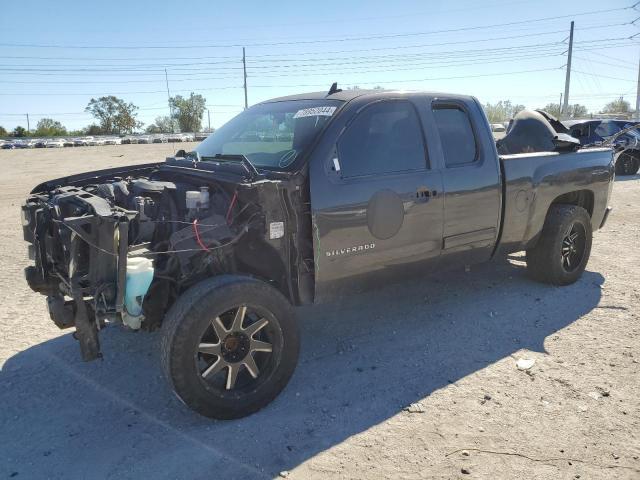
573 246
236 343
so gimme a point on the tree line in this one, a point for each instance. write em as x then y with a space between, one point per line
504 110
115 116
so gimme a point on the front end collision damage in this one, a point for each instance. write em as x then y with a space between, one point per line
82 234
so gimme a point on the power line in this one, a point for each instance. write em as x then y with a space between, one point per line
403 65
264 57
606 63
605 76
497 74
305 42
160 69
261 58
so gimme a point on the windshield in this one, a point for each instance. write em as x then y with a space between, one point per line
271 135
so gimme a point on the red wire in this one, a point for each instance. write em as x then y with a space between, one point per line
198 239
233 202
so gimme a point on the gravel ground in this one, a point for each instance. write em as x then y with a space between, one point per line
412 381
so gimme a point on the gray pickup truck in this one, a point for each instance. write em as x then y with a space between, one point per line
294 200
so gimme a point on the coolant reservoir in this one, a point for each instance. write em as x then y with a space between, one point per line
138 280
192 199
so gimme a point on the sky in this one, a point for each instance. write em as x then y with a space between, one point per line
56 56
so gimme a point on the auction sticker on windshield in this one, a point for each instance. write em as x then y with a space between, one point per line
315 111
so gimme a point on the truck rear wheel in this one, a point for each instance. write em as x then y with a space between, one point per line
562 252
229 346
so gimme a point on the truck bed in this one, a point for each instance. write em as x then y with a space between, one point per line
532 181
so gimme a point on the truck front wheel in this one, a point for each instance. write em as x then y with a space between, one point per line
229 346
562 252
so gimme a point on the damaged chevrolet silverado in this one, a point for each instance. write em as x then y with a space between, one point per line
292 201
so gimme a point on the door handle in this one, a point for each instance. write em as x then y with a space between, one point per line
425 193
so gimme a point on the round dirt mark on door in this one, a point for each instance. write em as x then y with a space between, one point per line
385 214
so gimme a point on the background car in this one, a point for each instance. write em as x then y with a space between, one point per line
55 143
83 141
597 131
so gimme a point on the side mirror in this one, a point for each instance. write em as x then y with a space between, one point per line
181 153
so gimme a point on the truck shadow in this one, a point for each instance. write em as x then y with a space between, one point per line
364 358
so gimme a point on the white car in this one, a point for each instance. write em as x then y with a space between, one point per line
83 141
113 141
55 143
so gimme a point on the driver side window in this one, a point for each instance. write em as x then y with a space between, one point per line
385 137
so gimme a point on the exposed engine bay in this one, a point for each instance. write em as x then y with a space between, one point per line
123 244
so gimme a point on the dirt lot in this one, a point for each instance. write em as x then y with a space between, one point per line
445 346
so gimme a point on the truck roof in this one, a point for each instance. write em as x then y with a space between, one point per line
347 95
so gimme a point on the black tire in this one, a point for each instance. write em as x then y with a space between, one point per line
547 261
627 164
187 324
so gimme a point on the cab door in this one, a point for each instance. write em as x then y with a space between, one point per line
472 181
376 201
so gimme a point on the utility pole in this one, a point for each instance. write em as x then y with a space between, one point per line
244 68
209 119
28 127
166 78
567 81
638 96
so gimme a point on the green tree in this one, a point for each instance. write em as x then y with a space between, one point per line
501 111
573 111
19 132
114 114
47 127
163 125
617 106
578 111
3 132
188 111
93 129
552 109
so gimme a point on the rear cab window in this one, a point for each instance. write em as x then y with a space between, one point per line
385 137
458 140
